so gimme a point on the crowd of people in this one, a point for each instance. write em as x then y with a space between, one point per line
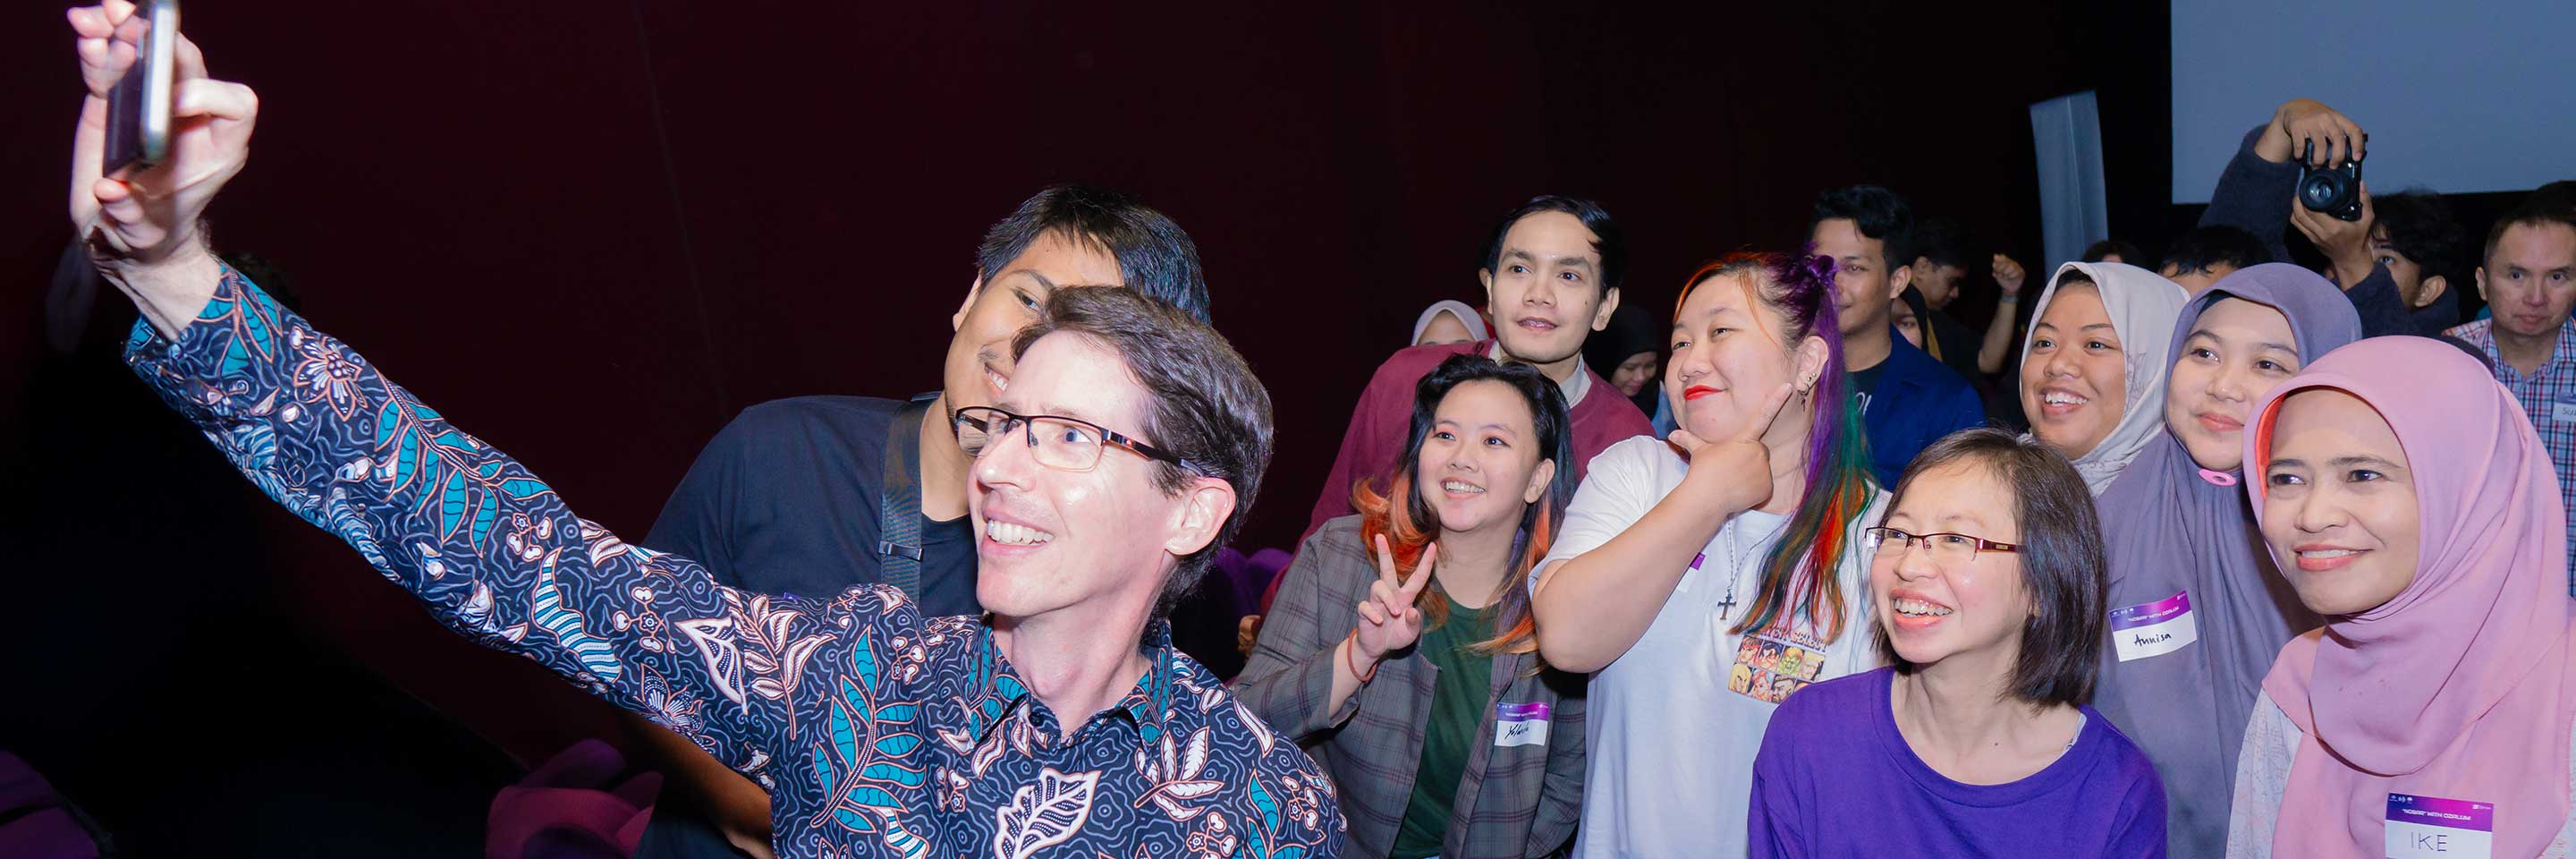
2222 557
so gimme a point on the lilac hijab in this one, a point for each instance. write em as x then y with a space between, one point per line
2461 686
2172 528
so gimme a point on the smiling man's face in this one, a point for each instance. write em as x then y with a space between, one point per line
1545 291
1048 538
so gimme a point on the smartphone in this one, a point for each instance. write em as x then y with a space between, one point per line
138 109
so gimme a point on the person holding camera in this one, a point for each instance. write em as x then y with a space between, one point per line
2304 168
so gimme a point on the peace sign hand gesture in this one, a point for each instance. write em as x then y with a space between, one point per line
1388 620
1734 474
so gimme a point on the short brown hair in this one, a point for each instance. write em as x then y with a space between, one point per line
2540 212
1206 405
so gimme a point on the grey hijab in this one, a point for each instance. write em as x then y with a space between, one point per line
2142 305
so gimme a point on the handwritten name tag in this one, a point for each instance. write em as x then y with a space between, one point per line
1520 725
2420 827
2562 412
2153 628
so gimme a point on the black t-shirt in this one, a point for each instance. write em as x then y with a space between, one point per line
1864 385
784 500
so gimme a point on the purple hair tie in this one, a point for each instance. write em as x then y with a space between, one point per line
1816 268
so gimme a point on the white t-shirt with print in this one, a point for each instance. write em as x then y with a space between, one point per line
1673 725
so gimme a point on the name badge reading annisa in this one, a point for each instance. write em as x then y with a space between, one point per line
2153 628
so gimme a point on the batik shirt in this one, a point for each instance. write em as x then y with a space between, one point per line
876 731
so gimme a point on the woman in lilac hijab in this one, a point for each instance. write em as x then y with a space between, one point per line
2197 612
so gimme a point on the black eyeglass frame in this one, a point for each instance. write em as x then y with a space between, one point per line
1010 420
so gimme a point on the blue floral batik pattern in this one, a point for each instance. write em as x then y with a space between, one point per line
877 732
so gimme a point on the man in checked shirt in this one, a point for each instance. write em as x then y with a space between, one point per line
2528 278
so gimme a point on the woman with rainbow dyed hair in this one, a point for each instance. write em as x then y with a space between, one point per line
1745 526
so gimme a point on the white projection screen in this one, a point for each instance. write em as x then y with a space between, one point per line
2462 97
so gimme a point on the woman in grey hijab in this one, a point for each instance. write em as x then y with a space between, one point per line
2093 365
2197 611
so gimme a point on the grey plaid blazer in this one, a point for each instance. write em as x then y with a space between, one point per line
1516 802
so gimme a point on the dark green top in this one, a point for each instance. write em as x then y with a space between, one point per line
1457 710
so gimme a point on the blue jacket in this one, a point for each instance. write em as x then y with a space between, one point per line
1916 402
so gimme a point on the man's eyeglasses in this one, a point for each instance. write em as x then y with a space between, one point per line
1061 443
1942 548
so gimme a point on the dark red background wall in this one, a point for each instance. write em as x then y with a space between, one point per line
591 233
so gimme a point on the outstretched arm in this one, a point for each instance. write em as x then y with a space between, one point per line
490 550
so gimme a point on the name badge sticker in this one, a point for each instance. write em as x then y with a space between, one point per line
1520 725
2430 826
2154 628
2563 412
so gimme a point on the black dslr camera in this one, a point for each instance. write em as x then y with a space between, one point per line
2334 190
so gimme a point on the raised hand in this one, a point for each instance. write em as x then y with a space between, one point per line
1388 620
143 223
2307 130
2008 274
1733 474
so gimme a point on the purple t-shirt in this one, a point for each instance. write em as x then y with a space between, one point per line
1836 779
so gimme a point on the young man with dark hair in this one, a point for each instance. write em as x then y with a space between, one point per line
1907 399
2414 235
2528 277
1552 272
2203 254
2258 193
796 495
1939 270
1941 260
2365 254
2113 250
812 495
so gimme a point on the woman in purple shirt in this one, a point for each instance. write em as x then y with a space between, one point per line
1987 578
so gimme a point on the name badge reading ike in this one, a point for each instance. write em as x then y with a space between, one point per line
2153 628
2423 827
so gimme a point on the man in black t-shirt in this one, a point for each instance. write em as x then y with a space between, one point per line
796 495
1907 400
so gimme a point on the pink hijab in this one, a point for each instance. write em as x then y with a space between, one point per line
2458 687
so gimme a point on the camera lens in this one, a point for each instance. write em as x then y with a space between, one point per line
2323 191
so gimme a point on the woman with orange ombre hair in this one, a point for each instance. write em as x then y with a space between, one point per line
1401 652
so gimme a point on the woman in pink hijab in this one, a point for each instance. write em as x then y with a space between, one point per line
2405 496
